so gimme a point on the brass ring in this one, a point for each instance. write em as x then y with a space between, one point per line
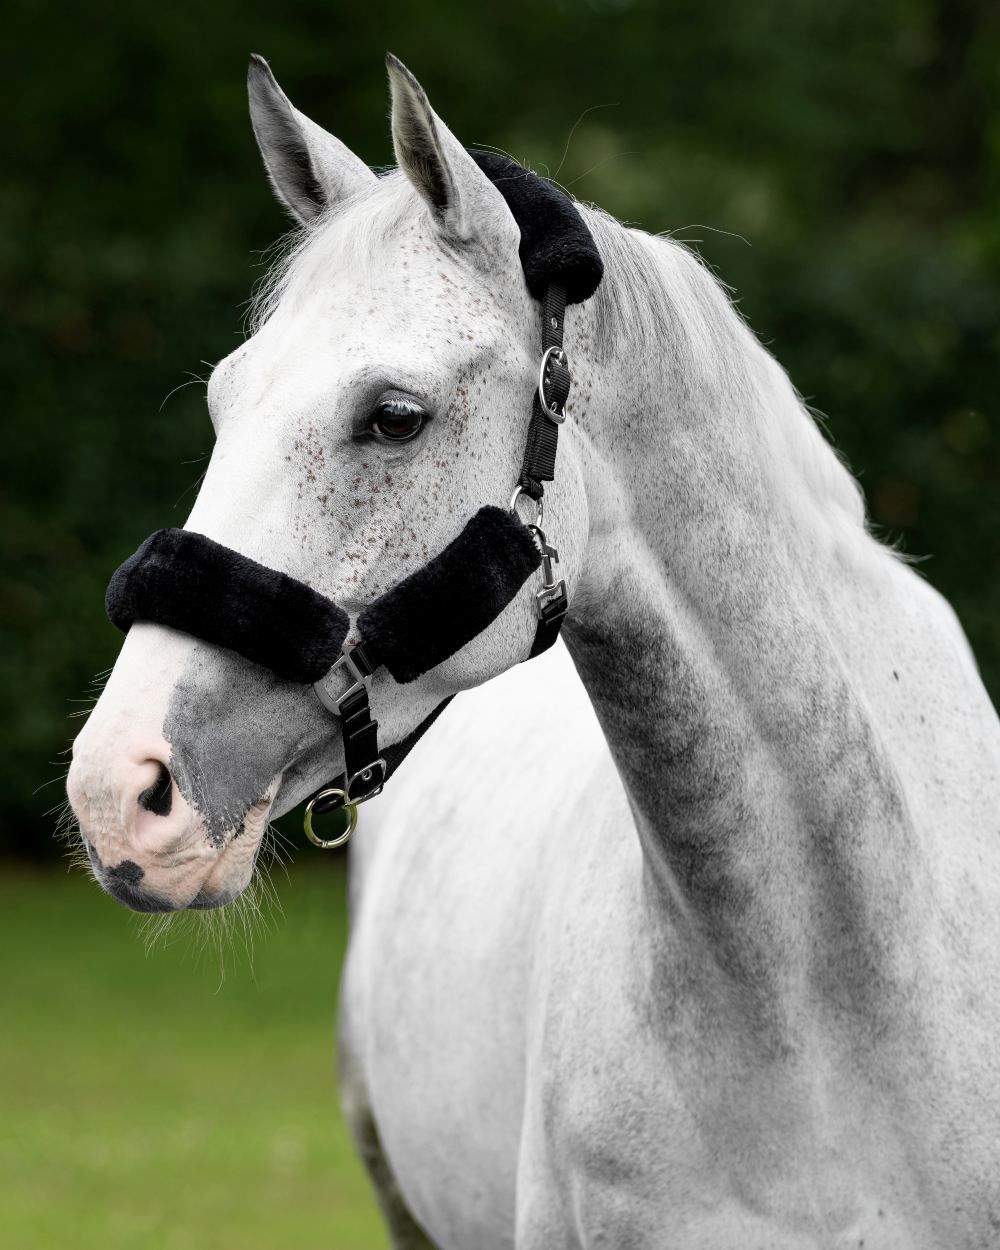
330 844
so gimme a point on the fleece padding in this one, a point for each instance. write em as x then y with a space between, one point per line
434 612
190 583
556 245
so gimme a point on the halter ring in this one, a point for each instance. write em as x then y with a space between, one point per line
330 844
539 506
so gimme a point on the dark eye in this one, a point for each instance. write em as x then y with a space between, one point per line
396 420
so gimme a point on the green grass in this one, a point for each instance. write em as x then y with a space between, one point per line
179 1099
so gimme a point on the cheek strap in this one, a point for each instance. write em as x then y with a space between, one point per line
434 612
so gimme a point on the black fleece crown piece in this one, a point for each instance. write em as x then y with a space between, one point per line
556 245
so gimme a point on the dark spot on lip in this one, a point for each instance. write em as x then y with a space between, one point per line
122 883
127 871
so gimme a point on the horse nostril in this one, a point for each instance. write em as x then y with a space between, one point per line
157 797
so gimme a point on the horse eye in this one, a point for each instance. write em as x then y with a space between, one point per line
396 420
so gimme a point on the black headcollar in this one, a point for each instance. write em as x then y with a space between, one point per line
186 581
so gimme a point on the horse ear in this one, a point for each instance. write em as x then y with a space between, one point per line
460 195
308 168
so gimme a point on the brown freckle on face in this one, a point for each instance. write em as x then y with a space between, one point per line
388 478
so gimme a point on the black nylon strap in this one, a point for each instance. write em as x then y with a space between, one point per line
549 624
539 463
361 753
364 775
398 752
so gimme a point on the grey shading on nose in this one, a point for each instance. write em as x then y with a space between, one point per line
158 797
122 882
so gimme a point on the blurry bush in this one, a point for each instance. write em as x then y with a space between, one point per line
855 146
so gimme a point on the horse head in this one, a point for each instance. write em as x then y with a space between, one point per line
381 401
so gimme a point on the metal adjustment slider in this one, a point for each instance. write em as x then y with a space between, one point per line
358 668
554 358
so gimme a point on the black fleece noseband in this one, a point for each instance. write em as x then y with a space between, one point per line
184 580
188 582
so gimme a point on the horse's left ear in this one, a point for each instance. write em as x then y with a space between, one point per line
461 197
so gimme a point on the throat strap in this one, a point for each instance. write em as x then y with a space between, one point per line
364 763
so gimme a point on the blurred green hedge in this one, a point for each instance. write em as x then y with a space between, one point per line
843 157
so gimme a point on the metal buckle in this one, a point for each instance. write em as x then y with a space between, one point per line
552 411
360 680
553 588
367 774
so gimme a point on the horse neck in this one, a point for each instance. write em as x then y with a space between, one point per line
725 628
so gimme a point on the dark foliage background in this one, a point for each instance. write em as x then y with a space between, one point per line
843 156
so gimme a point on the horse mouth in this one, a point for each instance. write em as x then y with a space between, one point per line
147 890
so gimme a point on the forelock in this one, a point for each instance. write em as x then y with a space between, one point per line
347 238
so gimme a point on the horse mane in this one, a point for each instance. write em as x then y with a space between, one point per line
670 301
